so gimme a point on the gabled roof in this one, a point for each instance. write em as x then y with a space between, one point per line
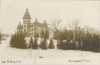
27 15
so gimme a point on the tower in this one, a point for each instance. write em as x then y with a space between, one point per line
26 21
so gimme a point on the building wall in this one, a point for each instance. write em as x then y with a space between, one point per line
30 31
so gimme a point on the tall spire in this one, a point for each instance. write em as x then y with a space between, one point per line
27 15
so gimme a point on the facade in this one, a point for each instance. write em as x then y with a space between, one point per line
31 28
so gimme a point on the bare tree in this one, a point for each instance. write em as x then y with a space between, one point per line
91 30
74 25
55 27
87 28
55 24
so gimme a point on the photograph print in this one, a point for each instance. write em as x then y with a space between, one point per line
49 32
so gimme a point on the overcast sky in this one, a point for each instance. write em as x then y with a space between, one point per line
12 12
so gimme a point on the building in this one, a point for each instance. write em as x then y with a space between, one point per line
31 28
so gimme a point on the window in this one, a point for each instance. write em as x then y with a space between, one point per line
32 34
24 30
34 28
29 30
37 29
29 34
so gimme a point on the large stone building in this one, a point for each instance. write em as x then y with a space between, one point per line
31 28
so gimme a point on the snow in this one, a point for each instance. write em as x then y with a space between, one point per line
39 40
50 56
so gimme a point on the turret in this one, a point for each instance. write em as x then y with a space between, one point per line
26 21
26 17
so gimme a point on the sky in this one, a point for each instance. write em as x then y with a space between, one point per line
12 11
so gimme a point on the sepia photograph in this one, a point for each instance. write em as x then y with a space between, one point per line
49 32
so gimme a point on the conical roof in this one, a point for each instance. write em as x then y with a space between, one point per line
27 15
36 21
44 23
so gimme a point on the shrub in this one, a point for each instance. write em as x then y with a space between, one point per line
43 44
18 40
51 44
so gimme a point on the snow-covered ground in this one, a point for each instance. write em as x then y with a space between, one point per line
50 56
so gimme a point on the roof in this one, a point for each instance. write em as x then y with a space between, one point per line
27 15
44 25
36 23
20 27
